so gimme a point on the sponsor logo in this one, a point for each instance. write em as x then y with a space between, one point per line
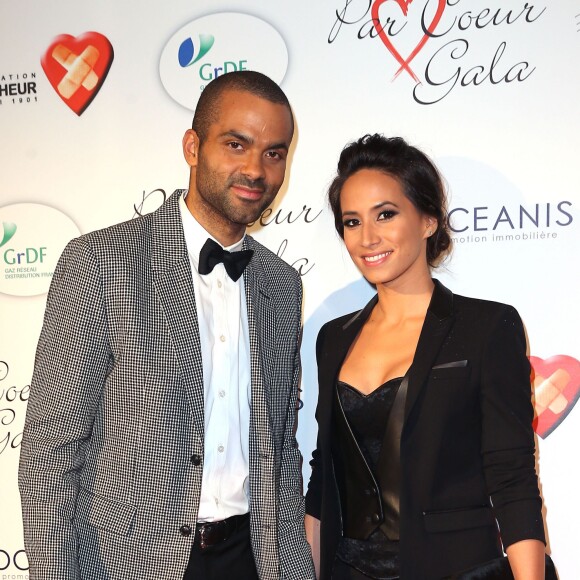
509 222
8 230
556 383
77 67
217 44
188 54
18 88
442 45
33 238
17 559
487 207
12 406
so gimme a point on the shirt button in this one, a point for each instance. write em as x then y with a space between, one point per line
219 283
376 518
185 530
222 394
195 459
222 338
221 448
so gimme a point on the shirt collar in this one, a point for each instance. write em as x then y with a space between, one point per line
196 234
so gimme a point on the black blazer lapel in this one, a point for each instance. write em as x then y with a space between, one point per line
173 281
436 327
350 330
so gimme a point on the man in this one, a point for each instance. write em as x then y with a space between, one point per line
160 427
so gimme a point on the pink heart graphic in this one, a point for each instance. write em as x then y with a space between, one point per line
556 383
404 5
77 67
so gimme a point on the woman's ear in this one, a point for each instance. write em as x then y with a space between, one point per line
430 226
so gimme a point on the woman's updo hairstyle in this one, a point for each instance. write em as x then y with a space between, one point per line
419 178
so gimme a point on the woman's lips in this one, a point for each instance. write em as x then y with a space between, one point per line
376 259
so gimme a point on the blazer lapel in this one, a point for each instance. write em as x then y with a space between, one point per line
174 284
262 330
344 340
436 327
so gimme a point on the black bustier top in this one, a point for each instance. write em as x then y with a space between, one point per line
370 528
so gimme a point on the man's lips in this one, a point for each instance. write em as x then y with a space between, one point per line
376 259
250 193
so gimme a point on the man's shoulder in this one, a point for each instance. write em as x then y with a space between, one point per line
133 234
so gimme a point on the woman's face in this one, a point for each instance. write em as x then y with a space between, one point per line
385 235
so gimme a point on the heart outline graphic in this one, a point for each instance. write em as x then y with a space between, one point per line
556 383
404 5
77 67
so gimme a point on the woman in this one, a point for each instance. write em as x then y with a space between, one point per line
424 410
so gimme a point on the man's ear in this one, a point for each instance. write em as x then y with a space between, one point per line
191 147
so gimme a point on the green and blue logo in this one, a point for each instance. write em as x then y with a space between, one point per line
8 230
187 54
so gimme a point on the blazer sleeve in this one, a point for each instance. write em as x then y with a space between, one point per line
314 493
295 554
507 433
72 361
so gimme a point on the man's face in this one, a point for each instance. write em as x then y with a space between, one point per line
240 166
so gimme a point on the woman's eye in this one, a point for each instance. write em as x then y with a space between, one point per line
350 223
387 214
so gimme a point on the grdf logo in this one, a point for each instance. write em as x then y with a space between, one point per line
186 54
9 229
217 44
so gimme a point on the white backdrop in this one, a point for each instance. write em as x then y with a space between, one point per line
488 88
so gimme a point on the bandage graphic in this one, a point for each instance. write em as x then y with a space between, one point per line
548 392
79 69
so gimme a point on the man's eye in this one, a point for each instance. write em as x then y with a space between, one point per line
235 145
273 155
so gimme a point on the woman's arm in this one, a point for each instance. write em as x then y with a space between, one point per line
312 526
527 559
507 433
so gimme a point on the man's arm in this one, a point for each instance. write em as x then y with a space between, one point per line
72 361
295 553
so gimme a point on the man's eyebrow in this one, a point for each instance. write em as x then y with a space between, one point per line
250 141
238 136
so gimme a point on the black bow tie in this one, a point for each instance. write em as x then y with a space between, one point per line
234 262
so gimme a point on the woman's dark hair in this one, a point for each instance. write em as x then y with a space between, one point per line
420 180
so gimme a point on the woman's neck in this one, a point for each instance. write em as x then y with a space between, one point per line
403 302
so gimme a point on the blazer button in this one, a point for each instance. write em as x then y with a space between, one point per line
376 518
185 530
196 460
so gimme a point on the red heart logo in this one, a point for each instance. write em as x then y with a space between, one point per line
556 389
77 67
404 5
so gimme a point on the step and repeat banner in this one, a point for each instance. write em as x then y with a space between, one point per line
95 98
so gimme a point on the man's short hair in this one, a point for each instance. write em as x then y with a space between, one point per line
252 82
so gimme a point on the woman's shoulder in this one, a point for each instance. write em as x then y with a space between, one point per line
480 305
484 312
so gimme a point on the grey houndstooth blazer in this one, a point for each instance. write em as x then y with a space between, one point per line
116 411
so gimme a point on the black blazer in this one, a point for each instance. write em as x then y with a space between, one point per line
467 438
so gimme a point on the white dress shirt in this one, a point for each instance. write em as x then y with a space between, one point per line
225 352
